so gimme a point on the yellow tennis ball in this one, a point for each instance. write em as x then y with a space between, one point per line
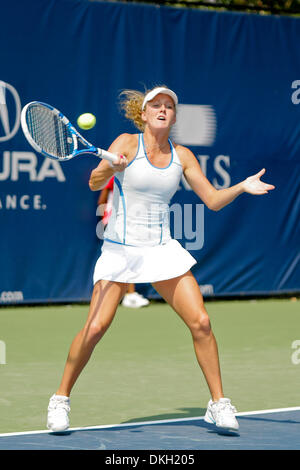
86 121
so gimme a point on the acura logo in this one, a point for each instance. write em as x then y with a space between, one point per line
10 110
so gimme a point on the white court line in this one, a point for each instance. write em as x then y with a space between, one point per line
143 423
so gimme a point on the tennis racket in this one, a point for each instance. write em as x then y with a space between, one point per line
50 133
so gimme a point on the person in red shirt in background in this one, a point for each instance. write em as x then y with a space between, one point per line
132 298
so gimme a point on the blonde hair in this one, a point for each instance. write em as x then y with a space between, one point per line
131 102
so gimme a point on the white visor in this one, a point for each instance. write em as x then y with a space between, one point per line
165 91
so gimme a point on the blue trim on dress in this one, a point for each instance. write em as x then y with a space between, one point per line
158 167
117 243
137 152
161 233
124 206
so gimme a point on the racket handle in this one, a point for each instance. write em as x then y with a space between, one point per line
108 156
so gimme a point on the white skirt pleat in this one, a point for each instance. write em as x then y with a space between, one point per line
142 264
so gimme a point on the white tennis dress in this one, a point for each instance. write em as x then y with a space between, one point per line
137 246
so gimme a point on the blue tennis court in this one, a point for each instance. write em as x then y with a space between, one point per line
277 429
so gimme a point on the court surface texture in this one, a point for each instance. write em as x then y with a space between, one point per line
143 388
261 430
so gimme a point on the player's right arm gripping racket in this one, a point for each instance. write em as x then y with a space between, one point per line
50 133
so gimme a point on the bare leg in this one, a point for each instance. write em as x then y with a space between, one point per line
131 288
105 300
184 296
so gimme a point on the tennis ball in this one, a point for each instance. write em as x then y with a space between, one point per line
86 121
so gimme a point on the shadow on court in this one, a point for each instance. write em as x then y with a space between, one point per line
182 413
269 431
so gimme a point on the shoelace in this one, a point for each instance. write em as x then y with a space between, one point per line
59 406
227 407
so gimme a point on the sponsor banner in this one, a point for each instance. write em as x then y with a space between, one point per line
239 112
11 297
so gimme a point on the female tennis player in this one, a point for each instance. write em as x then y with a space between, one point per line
138 246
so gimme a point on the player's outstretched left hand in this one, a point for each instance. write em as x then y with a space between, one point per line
253 184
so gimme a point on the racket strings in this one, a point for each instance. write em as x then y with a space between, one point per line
49 132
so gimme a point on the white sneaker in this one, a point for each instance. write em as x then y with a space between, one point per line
58 413
134 300
221 413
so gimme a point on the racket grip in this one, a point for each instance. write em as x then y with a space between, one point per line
108 156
